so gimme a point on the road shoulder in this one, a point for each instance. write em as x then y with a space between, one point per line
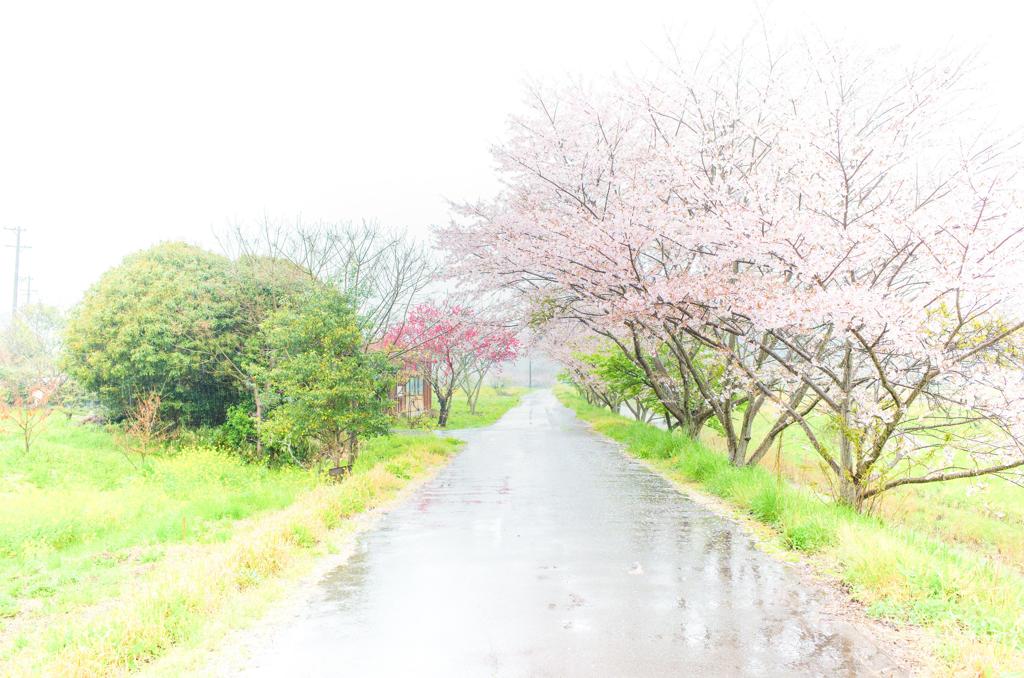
890 649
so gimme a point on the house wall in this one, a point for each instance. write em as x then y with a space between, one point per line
412 393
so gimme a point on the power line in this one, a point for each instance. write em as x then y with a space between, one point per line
18 247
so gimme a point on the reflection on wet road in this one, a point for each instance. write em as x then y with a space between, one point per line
543 551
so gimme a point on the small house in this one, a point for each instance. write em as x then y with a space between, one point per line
411 393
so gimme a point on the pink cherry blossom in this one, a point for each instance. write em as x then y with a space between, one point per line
452 342
810 237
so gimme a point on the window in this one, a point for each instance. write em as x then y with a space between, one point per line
414 386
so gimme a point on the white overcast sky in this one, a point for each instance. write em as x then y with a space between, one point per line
125 124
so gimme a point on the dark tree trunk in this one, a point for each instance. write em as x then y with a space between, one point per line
474 394
444 404
259 421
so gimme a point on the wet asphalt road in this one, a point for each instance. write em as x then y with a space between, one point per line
544 551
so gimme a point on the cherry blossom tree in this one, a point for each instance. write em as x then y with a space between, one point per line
903 248
801 238
571 349
491 347
456 343
595 228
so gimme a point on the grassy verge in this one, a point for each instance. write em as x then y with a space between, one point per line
972 603
75 512
105 568
985 515
489 409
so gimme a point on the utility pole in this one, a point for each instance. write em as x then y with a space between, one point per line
17 265
28 290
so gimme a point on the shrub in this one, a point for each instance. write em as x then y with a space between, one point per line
238 432
332 391
157 323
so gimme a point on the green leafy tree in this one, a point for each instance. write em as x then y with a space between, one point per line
614 379
624 383
260 287
329 392
156 324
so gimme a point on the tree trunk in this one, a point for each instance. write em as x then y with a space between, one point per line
474 394
721 410
695 423
442 411
444 404
259 420
851 493
353 449
754 403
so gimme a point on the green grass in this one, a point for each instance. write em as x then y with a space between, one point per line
975 604
984 515
75 514
82 528
490 407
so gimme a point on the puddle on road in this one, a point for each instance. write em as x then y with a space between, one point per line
543 551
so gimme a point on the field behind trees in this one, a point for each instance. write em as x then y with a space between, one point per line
493 403
985 516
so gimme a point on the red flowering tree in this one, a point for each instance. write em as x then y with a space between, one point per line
491 344
458 346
